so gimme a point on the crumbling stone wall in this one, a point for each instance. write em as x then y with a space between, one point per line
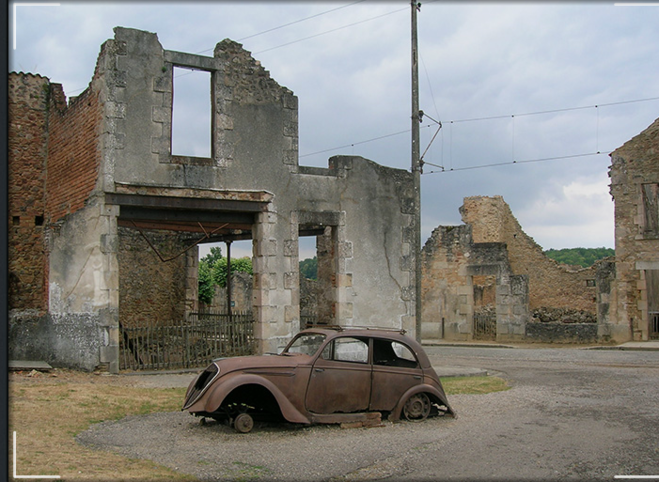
634 174
550 283
489 265
462 278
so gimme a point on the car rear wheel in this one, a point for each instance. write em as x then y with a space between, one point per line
417 408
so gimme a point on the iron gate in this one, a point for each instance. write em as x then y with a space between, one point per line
192 343
485 326
654 325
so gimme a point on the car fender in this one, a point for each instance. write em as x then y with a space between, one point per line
429 389
217 394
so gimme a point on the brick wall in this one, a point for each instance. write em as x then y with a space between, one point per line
27 151
73 151
53 163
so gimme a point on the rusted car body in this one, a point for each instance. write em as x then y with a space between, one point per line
324 375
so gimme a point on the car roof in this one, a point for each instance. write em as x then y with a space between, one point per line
395 334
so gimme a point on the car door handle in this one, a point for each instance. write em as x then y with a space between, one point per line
319 370
417 377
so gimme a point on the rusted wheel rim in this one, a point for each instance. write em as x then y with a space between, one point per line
417 407
243 423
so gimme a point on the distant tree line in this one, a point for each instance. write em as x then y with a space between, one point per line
584 257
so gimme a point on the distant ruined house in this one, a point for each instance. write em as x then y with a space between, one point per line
634 177
104 218
484 279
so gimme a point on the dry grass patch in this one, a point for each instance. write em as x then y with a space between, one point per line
47 412
473 385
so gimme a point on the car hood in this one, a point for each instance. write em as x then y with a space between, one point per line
260 362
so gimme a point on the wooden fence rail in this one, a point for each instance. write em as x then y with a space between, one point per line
188 344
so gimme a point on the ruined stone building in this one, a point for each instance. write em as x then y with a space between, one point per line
489 267
634 177
104 218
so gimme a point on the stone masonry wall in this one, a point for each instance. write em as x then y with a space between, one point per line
634 174
151 291
550 283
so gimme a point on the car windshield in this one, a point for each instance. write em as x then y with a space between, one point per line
306 343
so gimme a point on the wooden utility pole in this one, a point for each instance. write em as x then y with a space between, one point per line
416 168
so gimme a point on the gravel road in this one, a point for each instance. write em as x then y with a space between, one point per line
570 414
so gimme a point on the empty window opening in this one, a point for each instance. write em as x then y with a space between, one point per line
651 209
191 113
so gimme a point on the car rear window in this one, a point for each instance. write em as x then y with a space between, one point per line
393 353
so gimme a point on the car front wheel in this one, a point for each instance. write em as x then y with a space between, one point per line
417 408
243 423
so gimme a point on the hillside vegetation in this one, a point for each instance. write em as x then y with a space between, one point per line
584 257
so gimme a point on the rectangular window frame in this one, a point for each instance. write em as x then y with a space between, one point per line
181 157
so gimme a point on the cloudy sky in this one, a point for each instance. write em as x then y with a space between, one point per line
528 94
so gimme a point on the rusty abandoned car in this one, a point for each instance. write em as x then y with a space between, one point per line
323 375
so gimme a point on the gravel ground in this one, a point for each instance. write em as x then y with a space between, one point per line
571 414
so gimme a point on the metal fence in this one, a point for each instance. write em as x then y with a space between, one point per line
485 326
188 344
654 324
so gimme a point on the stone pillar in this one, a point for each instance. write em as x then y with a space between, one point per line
109 315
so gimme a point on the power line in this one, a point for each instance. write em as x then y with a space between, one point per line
299 21
553 111
294 22
474 119
527 161
330 31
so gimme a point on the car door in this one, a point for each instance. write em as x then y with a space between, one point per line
395 370
340 379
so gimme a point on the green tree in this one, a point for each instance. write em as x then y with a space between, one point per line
213 256
309 268
206 290
219 271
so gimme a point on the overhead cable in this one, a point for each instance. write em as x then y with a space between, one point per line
527 161
331 31
474 119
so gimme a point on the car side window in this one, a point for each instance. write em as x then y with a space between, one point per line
346 349
393 353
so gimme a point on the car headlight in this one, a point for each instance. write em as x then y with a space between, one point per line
202 382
